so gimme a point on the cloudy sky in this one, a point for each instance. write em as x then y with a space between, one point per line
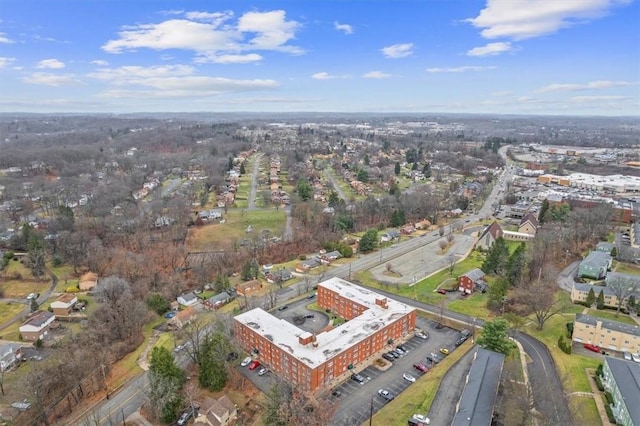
573 57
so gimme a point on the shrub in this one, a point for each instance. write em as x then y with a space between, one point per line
564 345
609 397
57 260
599 384
71 290
612 419
599 370
570 329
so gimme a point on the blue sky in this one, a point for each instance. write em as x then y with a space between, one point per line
570 57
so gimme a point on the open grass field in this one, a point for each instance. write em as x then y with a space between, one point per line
209 237
18 289
8 311
626 268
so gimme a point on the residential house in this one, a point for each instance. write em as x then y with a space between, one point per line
408 229
471 281
37 326
188 299
622 380
64 304
605 247
213 214
390 235
307 265
489 236
608 334
217 301
595 265
10 354
529 224
478 398
88 281
278 276
249 287
423 224
580 292
217 412
182 318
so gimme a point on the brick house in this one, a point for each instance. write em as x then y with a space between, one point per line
249 287
182 318
88 281
37 326
64 304
471 281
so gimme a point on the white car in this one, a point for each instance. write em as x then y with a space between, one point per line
422 335
246 361
635 357
627 356
422 418
262 371
408 377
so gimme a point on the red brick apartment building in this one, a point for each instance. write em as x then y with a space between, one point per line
313 361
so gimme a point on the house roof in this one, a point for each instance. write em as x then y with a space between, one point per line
596 259
531 218
609 324
39 319
627 377
479 394
331 343
220 297
605 246
188 297
495 230
475 274
66 298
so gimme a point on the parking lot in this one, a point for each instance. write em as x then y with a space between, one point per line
357 401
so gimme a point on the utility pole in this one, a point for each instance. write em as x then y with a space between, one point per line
371 411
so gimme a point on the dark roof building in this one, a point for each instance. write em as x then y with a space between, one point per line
622 380
478 398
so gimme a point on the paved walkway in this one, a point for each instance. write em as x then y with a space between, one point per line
597 397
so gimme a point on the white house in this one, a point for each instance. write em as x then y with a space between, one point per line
37 326
188 299
10 354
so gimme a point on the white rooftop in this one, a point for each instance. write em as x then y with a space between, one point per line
329 343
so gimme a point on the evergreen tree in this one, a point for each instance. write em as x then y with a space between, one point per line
600 300
426 170
516 264
497 292
363 176
334 199
247 273
369 241
242 169
221 283
543 211
591 297
397 168
165 380
304 189
397 218
366 159
213 374
495 337
497 258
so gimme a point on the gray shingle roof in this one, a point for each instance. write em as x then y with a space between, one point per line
627 377
611 325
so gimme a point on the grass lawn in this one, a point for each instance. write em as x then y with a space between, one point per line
16 289
205 237
626 268
474 305
9 310
420 396
611 315
16 267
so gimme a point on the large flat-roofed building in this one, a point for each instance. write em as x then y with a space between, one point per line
313 361
610 335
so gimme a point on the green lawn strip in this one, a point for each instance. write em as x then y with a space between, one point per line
611 315
474 305
585 410
626 268
420 395
7 312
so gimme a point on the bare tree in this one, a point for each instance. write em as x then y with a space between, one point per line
622 286
539 298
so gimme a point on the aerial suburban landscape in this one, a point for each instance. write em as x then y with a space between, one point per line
321 213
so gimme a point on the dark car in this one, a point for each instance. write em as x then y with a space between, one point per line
388 357
232 356
308 316
336 393
403 348
396 353
433 358
461 340
283 307
357 378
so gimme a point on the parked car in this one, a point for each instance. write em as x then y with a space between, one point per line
283 307
254 364
444 351
627 356
408 377
422 335
179 348
593 348
170 314
386 394
311 296
262 371
357 378
461 340
433 358
33 296
184 418
400 350
309 316
635 357
336 393
246 361
442 291
396 353
421 418
403 348
421 367
388 357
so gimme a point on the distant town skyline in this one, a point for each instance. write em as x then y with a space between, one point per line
573 57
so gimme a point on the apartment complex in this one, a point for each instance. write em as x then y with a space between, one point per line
313 361
622 380
610 335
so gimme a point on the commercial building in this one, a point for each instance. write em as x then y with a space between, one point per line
313 361
610 335
622 380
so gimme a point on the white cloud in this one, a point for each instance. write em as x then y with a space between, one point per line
171 81
229 58
4 61
4 39
592 85
52 64
398 50
212 35
323 76
345 28
100 63
523 19
588 99
55 80
377 75
460 69
491 49
502 93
